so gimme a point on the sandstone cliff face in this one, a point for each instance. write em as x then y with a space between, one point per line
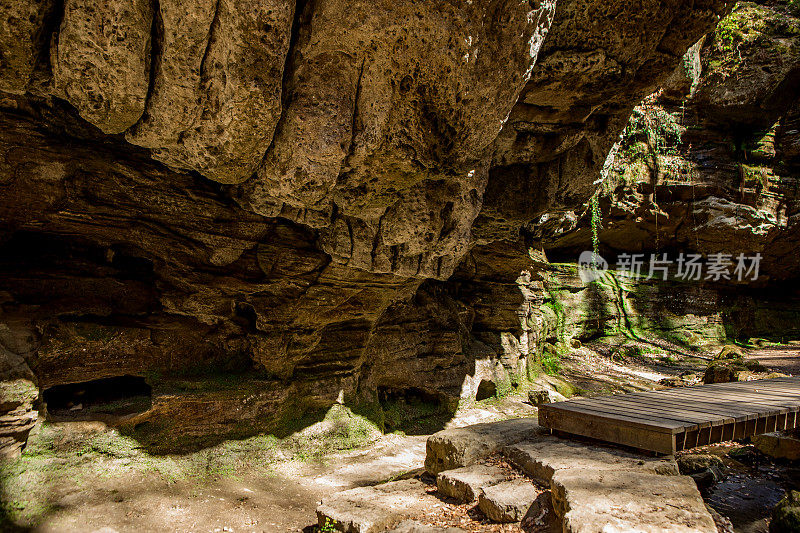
709 163
277 194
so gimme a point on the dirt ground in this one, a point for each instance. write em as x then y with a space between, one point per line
85 477
784 359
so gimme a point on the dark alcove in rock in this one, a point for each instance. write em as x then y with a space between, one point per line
100 398
486 389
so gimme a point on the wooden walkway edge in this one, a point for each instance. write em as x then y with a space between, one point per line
669 421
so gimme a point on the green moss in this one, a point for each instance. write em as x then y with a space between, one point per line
756 175
786 516
751 26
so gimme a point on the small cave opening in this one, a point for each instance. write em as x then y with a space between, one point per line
486 389
412 410
116 396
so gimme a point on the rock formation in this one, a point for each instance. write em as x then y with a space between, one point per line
266 210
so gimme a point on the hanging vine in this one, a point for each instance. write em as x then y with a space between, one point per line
596 224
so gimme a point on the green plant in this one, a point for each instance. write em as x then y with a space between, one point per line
328 527
650 145
596 221
551 364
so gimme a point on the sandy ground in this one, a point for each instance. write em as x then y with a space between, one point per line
278 497
784 359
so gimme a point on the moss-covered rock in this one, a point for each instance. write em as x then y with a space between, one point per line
720 373
786 516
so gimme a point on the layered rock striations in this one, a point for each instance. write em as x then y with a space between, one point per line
268 209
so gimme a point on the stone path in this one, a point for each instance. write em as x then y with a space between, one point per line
593 488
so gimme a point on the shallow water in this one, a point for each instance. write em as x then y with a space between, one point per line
751 490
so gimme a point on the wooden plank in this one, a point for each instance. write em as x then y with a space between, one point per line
631 421
664 421
739 408
663 426
650 407
747 388
755 398
700 406
763 406
609 431
754 386
718 415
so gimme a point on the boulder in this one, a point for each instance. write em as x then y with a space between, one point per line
786 515
538 397
720 373
454 448
705 469
729 351
465 484
589 500
508 501
705 479
778 445
691 463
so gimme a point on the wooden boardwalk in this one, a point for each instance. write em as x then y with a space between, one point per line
668 421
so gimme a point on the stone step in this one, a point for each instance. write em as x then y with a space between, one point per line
604 489
465 484
455 448
590 500
545 455
376 508
508 501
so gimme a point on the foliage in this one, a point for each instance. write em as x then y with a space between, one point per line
551 363
328 527
755 175
596 221
651 140
752 26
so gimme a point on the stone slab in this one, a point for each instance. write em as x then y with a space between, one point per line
542 457
376 508
590 501
508 501
465 484
455 448
778 445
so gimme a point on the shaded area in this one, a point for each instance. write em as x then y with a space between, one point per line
120 395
